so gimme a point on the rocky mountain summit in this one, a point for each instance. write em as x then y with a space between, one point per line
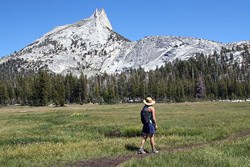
91 47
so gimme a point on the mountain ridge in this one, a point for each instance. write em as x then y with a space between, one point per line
90 46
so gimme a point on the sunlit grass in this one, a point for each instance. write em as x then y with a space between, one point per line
45 136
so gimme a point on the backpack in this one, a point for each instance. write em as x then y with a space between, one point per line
144 115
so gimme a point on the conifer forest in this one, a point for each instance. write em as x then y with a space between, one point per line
214 77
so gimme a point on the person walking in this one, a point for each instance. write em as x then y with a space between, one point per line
149 126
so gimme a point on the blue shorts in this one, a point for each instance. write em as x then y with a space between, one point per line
148 129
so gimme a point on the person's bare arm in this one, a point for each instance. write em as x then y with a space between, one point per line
154 116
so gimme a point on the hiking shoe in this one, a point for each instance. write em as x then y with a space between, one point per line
155 151
141 151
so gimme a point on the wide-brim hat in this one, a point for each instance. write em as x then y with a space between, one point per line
149 101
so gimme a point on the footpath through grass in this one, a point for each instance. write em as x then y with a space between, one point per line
46 136
226 154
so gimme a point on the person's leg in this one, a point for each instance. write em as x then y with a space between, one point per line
152 142
145 130
144 138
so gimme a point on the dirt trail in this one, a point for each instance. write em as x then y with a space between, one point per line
116 161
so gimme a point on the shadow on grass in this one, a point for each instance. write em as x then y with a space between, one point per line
131 147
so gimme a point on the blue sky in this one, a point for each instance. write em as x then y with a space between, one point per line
24 21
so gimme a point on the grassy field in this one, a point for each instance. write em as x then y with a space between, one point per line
47 136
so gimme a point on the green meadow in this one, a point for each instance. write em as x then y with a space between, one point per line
59 136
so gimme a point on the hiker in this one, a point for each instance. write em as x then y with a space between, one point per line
149 124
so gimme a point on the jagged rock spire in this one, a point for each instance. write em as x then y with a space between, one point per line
101 18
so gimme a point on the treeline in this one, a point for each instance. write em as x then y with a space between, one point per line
215 77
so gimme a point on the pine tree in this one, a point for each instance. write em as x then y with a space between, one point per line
11 94
71 91
41 89
58 90
122 86
24 89
82 82
3 94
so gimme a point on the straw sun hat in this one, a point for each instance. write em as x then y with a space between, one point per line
149 101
